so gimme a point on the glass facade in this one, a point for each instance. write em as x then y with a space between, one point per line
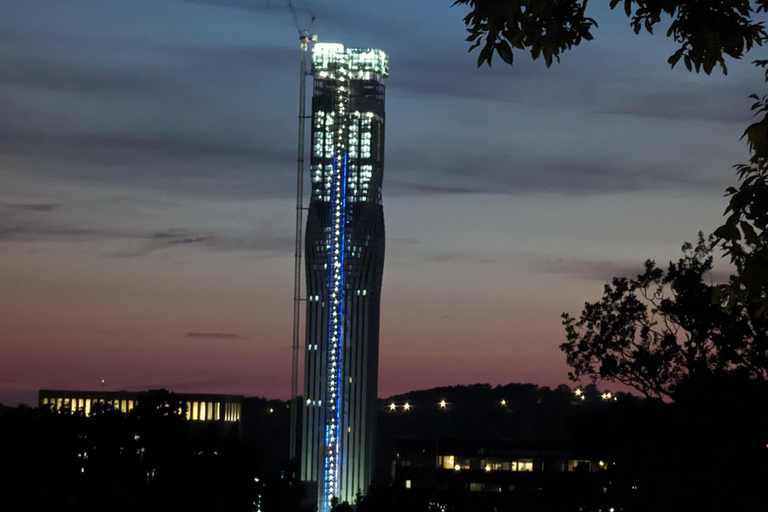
199 407
345 261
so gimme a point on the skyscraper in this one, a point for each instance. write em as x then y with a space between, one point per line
345 262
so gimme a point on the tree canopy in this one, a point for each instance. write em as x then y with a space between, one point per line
707 31
664 329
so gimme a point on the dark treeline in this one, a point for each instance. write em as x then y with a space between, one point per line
150 459
706 451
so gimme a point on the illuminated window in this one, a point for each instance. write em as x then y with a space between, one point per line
194 411
446 461
218 411
202 411
522 465
407 484
189 411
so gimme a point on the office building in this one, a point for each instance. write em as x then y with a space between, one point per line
199 407
345 261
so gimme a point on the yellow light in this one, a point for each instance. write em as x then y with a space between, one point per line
503 403
457 467
392 406
578 392
442 404
256 479
271 410
488 468
407 406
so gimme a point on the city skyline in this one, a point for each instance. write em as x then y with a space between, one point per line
148 161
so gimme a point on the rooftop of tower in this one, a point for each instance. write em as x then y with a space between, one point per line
362 63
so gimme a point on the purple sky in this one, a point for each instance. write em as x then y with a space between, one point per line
147 162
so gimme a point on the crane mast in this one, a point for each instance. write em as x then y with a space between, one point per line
304 39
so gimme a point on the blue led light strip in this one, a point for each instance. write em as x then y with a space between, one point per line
335 332
334 374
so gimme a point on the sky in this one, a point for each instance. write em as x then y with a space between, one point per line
147 163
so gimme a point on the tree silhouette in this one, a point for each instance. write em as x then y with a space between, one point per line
665 327
706 31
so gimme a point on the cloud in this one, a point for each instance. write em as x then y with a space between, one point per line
712 103
262 8
603 270
215 335
34 207
23 223
402 241
501 174
587 270
175 163
470 257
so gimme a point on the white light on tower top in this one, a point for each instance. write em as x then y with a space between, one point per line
363 62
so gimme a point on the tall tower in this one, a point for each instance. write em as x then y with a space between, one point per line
345 262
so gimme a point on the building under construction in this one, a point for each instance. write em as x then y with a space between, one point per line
344 249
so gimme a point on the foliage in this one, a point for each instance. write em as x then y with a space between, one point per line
665 328
707 31
744 236
149 459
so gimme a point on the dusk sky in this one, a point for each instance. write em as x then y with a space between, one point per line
147 163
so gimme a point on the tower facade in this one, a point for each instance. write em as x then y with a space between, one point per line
345 261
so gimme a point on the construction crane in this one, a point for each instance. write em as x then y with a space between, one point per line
305 39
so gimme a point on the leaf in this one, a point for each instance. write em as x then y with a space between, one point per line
504 51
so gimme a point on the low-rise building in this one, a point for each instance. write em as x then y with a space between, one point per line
199 407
